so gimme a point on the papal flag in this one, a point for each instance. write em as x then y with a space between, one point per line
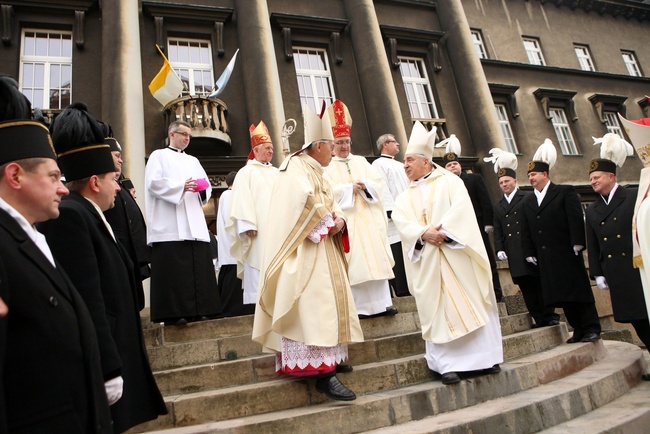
221 83
165 86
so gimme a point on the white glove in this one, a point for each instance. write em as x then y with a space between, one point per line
601 282
502 255
532 260
114 388
577 249
488 229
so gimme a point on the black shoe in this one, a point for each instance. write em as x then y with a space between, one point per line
333 388
362 316
493 370
342 369
178 322
390 311
553 322
590 337
574 339
645 377
450 378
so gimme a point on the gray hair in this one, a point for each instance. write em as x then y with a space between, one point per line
383 139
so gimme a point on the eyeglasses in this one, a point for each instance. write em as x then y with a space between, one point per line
342 142
183 133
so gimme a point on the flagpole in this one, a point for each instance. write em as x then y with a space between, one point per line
161 53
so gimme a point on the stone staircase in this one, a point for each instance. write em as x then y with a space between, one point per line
215 379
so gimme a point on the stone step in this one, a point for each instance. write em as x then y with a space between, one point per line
158 335
218 349
629 414
293 405
282 394
546 406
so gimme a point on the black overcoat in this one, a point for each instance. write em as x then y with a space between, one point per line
550 231
52 374
480 197
129 228
507 234
609 243
102 272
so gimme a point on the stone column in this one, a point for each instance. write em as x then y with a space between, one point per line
473 90
122 85
259 65
375 78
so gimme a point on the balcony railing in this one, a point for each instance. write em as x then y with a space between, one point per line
207 119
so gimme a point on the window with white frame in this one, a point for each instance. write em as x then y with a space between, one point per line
563 132
314 77
534 51
611 121
418 88
629 58
478 44
191 59
46 68
584 57
506 129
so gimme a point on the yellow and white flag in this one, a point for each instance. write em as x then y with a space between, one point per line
165 86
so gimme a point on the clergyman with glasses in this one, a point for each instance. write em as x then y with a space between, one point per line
183 283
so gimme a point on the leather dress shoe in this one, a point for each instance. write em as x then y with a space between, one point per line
341 369
391 311
574 339
645 377
178 322
333 388
493 370
590 337
551 323
450 378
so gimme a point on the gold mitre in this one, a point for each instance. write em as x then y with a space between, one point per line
639 134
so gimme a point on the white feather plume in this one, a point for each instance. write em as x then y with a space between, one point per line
546 153
502 159
453 145
614 148
431 136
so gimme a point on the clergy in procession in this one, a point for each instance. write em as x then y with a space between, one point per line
183 282
358 189
609 237
305 311
84 243
553 238
639 133
507 238
481 202
247 219
447 266
395 182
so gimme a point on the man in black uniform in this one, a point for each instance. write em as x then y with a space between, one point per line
609 239
100 267
52 374
554 238
481 203
507 239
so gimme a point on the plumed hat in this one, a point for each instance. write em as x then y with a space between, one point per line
20 137
639 133
79 143
259 135
339 119
421 141
544 158
452 150
505 163
613 151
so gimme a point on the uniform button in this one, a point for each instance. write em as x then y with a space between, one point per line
609 256
623 254
515 212
618 236
508 224
509 235
506 215
53 301
540 232
602 223
538 217
605 238
517 233
614 218
543 247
